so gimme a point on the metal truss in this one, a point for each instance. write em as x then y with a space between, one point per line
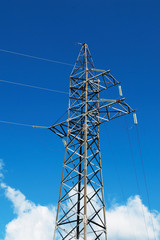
81 206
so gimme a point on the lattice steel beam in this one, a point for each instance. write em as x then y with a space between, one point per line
81 206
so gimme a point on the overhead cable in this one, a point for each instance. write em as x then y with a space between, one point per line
117 173
145 180
32 86
136 176
18 124
23 124
35 57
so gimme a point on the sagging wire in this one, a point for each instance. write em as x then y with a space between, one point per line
118 176
135 173
32 86
145 180
35 57
35 127
23 124
144 174
18 124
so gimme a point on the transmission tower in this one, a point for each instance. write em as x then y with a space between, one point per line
81 205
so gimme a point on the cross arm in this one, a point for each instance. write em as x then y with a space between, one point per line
110 109
60 129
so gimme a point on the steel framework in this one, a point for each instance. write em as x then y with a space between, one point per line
81 206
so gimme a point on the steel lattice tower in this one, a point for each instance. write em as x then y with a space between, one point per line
81 206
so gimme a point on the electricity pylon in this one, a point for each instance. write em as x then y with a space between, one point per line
81 205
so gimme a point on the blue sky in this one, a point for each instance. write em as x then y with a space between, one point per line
122 36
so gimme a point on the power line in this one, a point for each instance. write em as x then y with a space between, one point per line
117 173
32 86
23 124
145 180
35 57
136 176
18 124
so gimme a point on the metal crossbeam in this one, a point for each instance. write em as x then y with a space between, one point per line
81 206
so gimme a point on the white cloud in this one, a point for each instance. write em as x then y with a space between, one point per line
33 221
36 222
127 221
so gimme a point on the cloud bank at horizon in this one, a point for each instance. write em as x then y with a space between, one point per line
32 221
36 222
